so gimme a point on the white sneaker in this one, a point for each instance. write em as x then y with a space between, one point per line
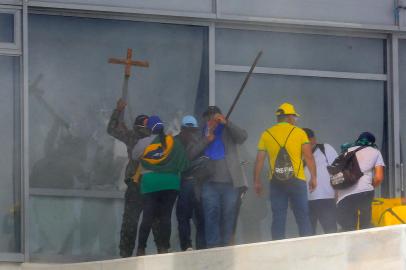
189 249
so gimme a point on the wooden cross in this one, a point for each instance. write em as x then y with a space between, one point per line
128 62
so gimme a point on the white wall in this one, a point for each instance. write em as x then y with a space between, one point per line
379 248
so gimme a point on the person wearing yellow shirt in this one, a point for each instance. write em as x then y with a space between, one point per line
287 184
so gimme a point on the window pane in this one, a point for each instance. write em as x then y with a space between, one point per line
6 27
71 228
337 110
302 51
10 190
402 97
74 91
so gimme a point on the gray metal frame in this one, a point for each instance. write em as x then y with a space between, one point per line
12 48
15 49
25 135
304 72
213 20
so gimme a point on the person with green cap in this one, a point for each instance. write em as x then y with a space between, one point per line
354 202
285 145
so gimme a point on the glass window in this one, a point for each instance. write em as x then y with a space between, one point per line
337 110
73 91
10 188
301 51
6 27
402 97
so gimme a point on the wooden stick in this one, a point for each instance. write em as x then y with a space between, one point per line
243 85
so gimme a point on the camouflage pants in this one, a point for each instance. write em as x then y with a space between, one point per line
133 206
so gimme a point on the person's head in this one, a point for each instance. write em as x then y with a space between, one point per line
211 112
155 125
140 121
366 138
189 121
286 113
311 136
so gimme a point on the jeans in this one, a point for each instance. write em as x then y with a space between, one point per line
220 210
189 207
323 211
157 208
347 211
295 192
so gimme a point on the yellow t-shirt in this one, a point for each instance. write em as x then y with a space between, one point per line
293 146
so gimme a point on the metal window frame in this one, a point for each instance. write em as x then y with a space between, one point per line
77 193
122 10
304 72
12 48
398 187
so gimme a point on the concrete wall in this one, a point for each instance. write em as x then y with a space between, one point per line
379 248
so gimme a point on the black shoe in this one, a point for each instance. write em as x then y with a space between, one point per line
162 250
125 254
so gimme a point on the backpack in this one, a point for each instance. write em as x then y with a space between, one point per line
283 168
345 171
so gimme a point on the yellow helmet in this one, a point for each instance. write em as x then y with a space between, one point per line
286 108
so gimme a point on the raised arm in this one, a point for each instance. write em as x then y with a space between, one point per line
238 134
116 127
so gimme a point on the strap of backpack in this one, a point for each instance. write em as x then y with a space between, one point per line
288 136
358 149
322 149
285 140
273 138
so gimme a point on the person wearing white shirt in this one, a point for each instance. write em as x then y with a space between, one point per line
354 202
322 205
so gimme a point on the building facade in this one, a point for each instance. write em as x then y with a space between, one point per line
339 62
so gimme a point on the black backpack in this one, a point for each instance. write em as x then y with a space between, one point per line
345 171
283 169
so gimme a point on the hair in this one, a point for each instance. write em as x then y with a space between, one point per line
282 117
309 132
211 110
162 137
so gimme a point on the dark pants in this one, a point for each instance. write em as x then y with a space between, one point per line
295 192
133 205
157 206
189 207
352 205
220 209
132 211
324 212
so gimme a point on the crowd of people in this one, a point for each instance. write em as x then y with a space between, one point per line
200 170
